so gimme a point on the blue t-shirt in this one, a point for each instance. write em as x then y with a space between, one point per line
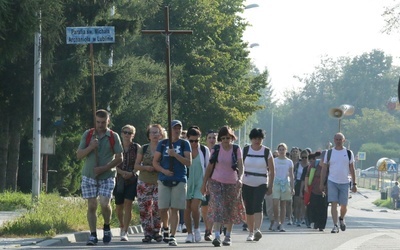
180 171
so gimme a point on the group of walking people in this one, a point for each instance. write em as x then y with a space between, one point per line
220 182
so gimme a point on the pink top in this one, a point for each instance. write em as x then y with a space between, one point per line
223 171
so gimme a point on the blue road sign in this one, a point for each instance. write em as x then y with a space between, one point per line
392 168
94 34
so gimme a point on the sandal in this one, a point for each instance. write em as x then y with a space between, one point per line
147 239
157 237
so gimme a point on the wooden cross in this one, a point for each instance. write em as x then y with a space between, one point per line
167 32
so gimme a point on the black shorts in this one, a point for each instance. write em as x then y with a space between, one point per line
205 202
128 194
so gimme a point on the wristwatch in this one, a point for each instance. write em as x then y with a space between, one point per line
354 184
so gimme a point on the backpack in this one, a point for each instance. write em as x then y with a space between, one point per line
330 153
110 138
246 151
214 157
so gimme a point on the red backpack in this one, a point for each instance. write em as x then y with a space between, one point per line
110 138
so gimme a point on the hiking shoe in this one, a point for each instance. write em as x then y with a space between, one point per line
227 241
172 242
245 227
216 242
290 222
124 236
250 237
335 229
189 238
197 235
106 236
257 235
92 241
342 224
208 236
281 229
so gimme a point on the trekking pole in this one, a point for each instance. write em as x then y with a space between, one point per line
366 197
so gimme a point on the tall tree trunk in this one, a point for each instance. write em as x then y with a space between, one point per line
4 131
13 153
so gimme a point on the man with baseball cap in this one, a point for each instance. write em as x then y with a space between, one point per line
171 164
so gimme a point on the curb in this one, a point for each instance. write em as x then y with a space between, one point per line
83 236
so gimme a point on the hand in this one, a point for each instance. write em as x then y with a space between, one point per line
149 168
203 189
354 189
126 175
171 152
269 191
99 170
94 143
166 172
322 188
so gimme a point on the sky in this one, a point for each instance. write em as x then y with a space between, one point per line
294 35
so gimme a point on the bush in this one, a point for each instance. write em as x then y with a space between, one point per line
51 215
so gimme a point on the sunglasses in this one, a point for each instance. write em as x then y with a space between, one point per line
226 138
127 132
304 157
191 141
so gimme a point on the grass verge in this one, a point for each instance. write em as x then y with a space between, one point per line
51 215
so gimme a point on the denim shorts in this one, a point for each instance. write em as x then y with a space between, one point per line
338 192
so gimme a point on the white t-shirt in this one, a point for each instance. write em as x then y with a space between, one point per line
282 167
257 165
339 166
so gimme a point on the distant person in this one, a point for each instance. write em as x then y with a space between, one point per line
338 163
211 140
103 151
395 194
283 189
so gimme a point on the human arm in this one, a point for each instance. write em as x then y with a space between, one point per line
158 167
353 177
115 162
83 152
207 176
271 174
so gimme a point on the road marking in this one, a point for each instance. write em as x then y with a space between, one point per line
357 242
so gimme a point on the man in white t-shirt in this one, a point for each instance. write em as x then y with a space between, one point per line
338 168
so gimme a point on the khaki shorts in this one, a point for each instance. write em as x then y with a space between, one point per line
283 195
172 197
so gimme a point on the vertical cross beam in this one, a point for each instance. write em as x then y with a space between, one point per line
167 33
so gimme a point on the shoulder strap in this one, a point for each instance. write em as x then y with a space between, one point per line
329 155
245 151
349 154
203 150
145 148
89 136
235 148
112 139
266 155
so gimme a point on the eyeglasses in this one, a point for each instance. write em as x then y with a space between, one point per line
127 132
225 138
304 157
154 132
191 141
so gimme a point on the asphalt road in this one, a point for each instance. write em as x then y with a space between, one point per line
368 227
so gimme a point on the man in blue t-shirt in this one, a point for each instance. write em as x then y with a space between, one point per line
172 179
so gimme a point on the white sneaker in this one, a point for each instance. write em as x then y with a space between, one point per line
179 228
275 227
189 238
124 236
250 237
184 230
197 235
